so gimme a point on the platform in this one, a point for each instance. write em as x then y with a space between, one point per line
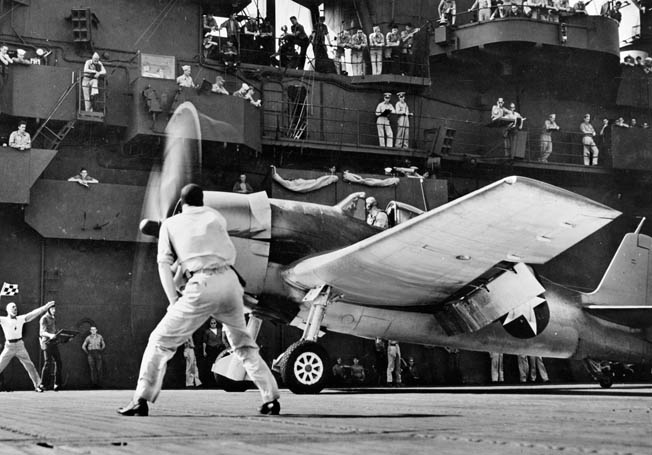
453 421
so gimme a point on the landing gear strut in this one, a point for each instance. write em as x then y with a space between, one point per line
305 365
606 372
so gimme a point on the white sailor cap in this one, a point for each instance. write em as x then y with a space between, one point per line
185 67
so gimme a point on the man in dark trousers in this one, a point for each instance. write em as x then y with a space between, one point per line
51 374
93 346
205 255
301 39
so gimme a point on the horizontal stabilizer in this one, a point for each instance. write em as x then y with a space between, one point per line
637 317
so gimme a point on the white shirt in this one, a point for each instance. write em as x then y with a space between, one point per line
200 239
13 328
185 81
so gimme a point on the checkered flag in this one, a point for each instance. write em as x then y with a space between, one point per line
9 289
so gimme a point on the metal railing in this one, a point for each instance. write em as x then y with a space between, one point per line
337 127
91 100
507 11
322 58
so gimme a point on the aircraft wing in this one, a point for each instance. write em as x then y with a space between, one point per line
430 257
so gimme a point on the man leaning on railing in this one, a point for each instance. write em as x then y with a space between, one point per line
93 71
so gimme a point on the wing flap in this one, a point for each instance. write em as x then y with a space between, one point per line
431 256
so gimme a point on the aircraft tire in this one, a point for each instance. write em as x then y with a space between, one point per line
606 381
305 367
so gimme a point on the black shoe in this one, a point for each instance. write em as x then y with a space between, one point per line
135 408
40 389
55 387
271 407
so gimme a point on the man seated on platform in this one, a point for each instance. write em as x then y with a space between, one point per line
518 118
20 139
83 178
500 115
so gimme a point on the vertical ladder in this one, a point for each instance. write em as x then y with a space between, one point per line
53 138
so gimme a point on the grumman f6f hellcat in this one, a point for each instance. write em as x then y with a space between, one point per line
458 276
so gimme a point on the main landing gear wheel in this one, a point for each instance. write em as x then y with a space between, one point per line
304 367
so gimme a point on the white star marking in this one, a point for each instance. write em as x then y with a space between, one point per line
527 311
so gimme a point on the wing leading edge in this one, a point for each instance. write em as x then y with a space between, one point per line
430 257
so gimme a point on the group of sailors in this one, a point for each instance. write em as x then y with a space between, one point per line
391 52
251 40
543 10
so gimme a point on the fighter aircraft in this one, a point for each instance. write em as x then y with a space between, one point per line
459 275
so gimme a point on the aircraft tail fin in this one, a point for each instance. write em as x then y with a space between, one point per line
627 281
624 295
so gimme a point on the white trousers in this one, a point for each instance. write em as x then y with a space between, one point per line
385 133
590 151
403 132
89 88
211 293
497 374
192 372
530 365
393 365
357 63
18 350
376 61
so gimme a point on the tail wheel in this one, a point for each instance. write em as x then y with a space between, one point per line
606 381
304 367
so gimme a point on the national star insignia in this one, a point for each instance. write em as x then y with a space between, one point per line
527 311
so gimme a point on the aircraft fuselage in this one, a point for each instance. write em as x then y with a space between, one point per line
563 329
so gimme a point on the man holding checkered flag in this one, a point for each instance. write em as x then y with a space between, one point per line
12 326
